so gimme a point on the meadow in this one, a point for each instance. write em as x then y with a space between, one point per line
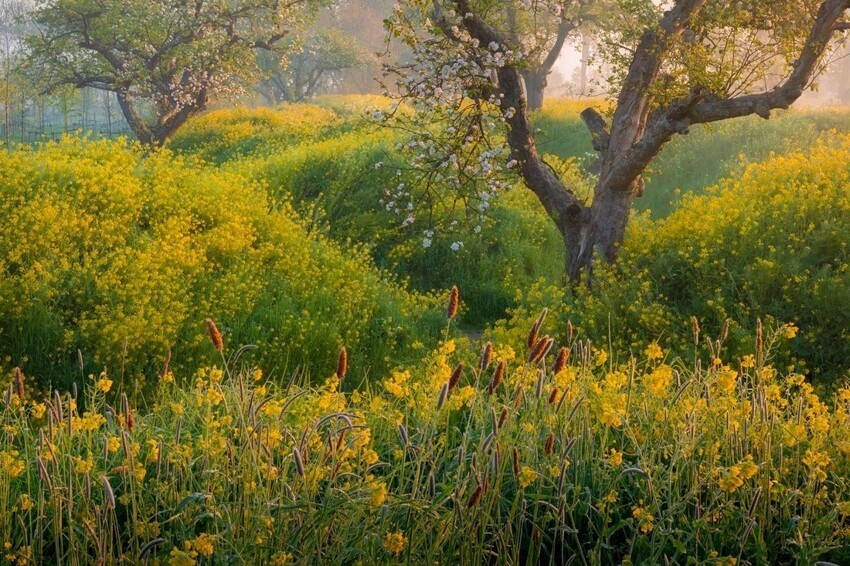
226 350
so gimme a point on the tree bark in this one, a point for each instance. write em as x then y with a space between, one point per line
638 129
128 108
535 84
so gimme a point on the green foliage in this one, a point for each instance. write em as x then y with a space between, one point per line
123 257
219 137
689 164
322 160
772 244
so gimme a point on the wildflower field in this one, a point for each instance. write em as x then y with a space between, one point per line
227 350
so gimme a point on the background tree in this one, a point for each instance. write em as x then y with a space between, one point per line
164 59
13 85
695 62
302 66
540 30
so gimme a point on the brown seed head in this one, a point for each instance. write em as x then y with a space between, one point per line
537 351
167 364
451 308
108 493
215 335
503 417
486 356
759 336
561 360
724 334
476 497
19 383
553 396
455 378
444 393
299 463
515 461
341 364
496 379
549 446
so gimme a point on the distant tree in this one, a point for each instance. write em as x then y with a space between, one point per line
11 48
164 59
540 30
675 64
303 66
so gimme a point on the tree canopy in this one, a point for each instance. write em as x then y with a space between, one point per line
673 65
164 59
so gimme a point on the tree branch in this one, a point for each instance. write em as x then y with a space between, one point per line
598 129
560 204
564 29
698 108
805 68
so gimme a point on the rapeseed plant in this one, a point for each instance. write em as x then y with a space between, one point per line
646 458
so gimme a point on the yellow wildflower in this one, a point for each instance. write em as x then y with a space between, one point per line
104 384
396 542
653 352
379 494
26 502
527 476
204 544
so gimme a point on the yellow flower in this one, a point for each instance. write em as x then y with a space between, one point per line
816 462
38 410
727 380
273 408
616 458
182 558
600 356
103 384
731 481
82 466
644 519
527 476
113 444
395 543
282 559
748 468
379 494
789 331
26 502
659 380
204 544
653 352
369 457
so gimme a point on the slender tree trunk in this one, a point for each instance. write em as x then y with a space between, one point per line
535 81
585 62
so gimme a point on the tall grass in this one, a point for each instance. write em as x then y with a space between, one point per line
638 461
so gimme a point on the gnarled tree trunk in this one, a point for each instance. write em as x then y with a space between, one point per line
638 130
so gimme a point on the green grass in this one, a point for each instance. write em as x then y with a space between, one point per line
604 462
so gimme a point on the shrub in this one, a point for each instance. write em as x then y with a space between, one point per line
124 257
228 134
770 244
